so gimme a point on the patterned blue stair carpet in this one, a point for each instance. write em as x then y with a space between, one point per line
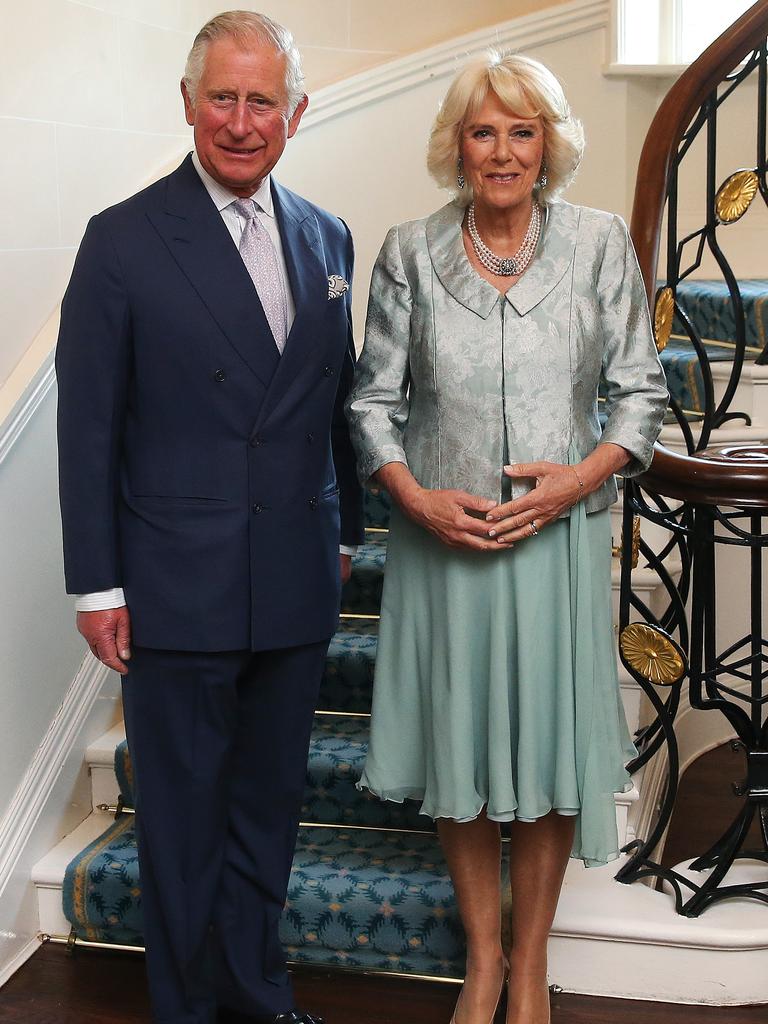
363 592
348 678
709 307
102 892
370 899
336 754
683 371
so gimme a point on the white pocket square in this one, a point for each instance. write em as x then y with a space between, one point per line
336 286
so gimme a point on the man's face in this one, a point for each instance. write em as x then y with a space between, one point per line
240 114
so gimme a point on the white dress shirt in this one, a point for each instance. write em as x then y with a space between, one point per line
265 211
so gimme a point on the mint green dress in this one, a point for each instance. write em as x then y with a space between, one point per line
496 682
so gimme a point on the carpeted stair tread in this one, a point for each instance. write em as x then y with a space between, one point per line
102 892
362 594
367 899
709 307
336 754
372 899
347 682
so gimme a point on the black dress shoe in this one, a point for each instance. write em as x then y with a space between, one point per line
294 1017
291 1017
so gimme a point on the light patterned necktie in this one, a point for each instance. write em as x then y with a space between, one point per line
260 259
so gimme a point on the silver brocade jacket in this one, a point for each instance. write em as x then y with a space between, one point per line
451 369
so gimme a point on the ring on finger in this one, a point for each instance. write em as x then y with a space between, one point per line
534 528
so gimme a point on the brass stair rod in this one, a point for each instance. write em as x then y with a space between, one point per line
73 941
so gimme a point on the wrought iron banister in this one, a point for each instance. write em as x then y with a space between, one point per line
711 496
677 110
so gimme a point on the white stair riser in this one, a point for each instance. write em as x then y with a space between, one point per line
49 902
104 787
751 393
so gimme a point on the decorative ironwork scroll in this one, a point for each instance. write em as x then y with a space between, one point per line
672 649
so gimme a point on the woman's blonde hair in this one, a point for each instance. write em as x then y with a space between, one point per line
528 89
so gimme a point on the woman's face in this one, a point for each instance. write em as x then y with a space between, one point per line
502 155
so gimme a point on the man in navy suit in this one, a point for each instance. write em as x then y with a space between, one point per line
207 483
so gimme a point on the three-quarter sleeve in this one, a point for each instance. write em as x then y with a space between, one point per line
377 406
633 380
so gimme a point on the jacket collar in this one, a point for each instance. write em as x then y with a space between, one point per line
457 275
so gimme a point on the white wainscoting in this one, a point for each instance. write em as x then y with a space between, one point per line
52 705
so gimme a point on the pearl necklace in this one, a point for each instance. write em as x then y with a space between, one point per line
506 266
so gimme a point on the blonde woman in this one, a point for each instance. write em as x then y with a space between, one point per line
491 325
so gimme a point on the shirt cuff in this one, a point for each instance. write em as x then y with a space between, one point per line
100 601
348 549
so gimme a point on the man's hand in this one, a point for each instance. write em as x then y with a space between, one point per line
108 634
345 561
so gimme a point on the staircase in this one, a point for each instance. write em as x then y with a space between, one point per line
369 887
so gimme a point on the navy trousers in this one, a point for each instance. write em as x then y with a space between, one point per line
219 747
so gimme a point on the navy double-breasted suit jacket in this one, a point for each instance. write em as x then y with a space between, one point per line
208 476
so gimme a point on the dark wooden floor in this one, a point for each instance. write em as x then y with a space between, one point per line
96 987
108 988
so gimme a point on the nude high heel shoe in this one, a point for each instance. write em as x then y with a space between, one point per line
504 977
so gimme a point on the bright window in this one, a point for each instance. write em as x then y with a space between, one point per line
670 31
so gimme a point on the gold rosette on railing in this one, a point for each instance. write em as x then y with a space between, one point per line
651 653
663 315
735 195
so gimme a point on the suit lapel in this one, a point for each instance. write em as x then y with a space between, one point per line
308 276
198 240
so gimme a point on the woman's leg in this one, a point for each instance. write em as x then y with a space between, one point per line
473 852
538 856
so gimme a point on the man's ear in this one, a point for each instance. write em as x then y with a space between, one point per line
189 107
293 120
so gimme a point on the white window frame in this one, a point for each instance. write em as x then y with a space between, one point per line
670 42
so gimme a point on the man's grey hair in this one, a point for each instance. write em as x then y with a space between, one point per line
246 28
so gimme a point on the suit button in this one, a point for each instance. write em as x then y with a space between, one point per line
313 502
310 438
257 442
220 375
257 508
328 371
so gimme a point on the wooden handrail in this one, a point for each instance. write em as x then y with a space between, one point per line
675 113
693 478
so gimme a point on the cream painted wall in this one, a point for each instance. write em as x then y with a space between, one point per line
91 109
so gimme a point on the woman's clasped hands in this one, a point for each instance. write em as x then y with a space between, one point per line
557 489
463 520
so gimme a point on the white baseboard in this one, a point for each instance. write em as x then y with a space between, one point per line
8 969
41 776
52 798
